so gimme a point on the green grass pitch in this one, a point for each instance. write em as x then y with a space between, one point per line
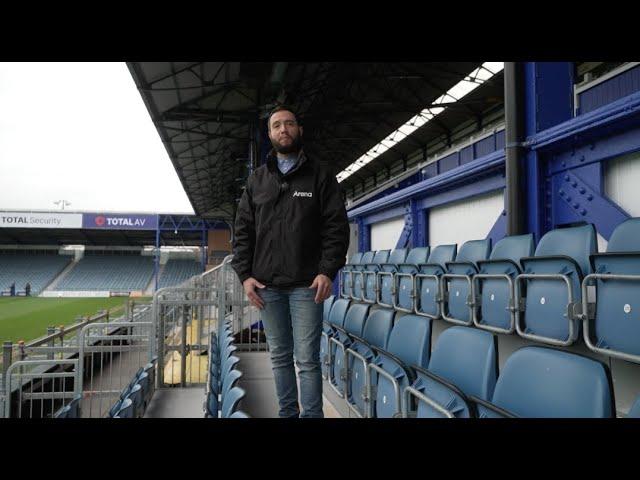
28 318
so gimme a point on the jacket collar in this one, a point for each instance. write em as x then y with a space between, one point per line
272 161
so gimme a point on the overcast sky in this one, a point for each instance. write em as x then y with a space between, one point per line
80 132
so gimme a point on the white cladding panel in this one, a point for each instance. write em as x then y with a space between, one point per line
622 177
385 235
469 219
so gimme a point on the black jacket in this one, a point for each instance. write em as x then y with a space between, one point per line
290 228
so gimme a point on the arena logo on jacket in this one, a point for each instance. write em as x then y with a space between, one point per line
302 194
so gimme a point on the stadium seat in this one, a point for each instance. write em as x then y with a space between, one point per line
493 285
135 395
543 382
346 276
357 273
232 401
326 307
548 308
405 294
336 317
353 324
126 409
613 326
456 282
375 333
370 276
427 281
463 362
386 277
390 372
634 411
239 414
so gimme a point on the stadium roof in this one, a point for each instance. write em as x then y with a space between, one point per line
210 114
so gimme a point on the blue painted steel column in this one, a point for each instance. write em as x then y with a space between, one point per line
548 88
364 236
156 263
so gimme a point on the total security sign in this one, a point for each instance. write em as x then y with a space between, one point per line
40 220
106 221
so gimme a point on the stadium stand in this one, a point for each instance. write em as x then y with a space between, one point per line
109 272
37 270
177 271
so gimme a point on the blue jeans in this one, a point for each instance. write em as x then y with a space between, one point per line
293 325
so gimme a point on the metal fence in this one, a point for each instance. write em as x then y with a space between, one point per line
97 357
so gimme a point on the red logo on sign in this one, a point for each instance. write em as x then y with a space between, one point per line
100 221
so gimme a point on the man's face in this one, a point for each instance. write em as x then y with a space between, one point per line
284 132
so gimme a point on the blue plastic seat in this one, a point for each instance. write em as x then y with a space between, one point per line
340 341
336 317
126 409
543 382
239 414
346 277
386 277
553 278
493 285
427 281
135 395
404 294
232 401
390 372
229 382
613 328
370 275
357 273
456 282
463 362
634 411
326 307
376 333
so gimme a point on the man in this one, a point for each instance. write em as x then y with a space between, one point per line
291 238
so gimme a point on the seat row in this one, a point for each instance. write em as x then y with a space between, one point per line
71 409
381 362
223 396
135 397
543 294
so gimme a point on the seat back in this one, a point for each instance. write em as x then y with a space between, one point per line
544 382
326 307
442 254
474 250
416 256
546 301
378 327
397 256
410 342
339 311
126 409
355 318
458 288
513 248
371 279
615 325
231 401
359 280
468 359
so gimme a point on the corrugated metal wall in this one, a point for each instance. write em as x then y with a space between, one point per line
469 219
617 87
385 235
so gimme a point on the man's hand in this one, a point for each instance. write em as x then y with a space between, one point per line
324 285
250 285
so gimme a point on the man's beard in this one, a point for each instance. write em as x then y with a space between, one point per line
295 146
